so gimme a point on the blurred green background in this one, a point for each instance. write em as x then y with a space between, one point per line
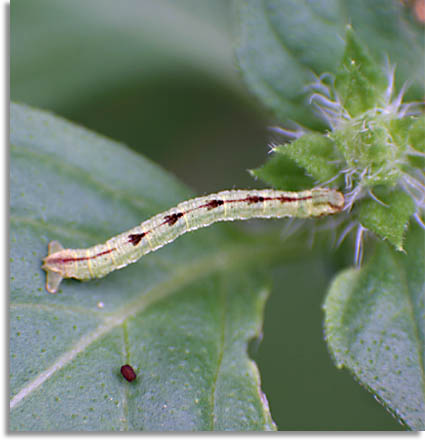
160 76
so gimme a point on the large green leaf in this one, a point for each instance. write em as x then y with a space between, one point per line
375 326
64 52
281 43
182 317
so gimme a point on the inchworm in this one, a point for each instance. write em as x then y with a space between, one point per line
128 247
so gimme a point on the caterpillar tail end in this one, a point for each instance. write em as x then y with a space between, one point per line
53 278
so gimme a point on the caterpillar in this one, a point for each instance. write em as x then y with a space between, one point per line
152 234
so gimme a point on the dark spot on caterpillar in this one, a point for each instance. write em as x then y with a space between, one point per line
213 204
135 238
254 199
286 199
128 373
171 219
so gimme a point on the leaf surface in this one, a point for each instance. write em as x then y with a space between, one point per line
64 53
375 327
388 221
360 81
283 173
314 153
182 317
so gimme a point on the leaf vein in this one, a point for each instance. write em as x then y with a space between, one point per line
223 307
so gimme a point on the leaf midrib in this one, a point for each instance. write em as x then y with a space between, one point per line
223 303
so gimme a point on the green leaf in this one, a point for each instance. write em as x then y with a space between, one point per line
86 49
182 317
315 153
375 327
280 43
417 135
389 222
416 143
283 173
409 133
360 80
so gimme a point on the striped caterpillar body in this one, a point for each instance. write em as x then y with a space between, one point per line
128 247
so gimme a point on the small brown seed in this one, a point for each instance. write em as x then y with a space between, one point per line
128 372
